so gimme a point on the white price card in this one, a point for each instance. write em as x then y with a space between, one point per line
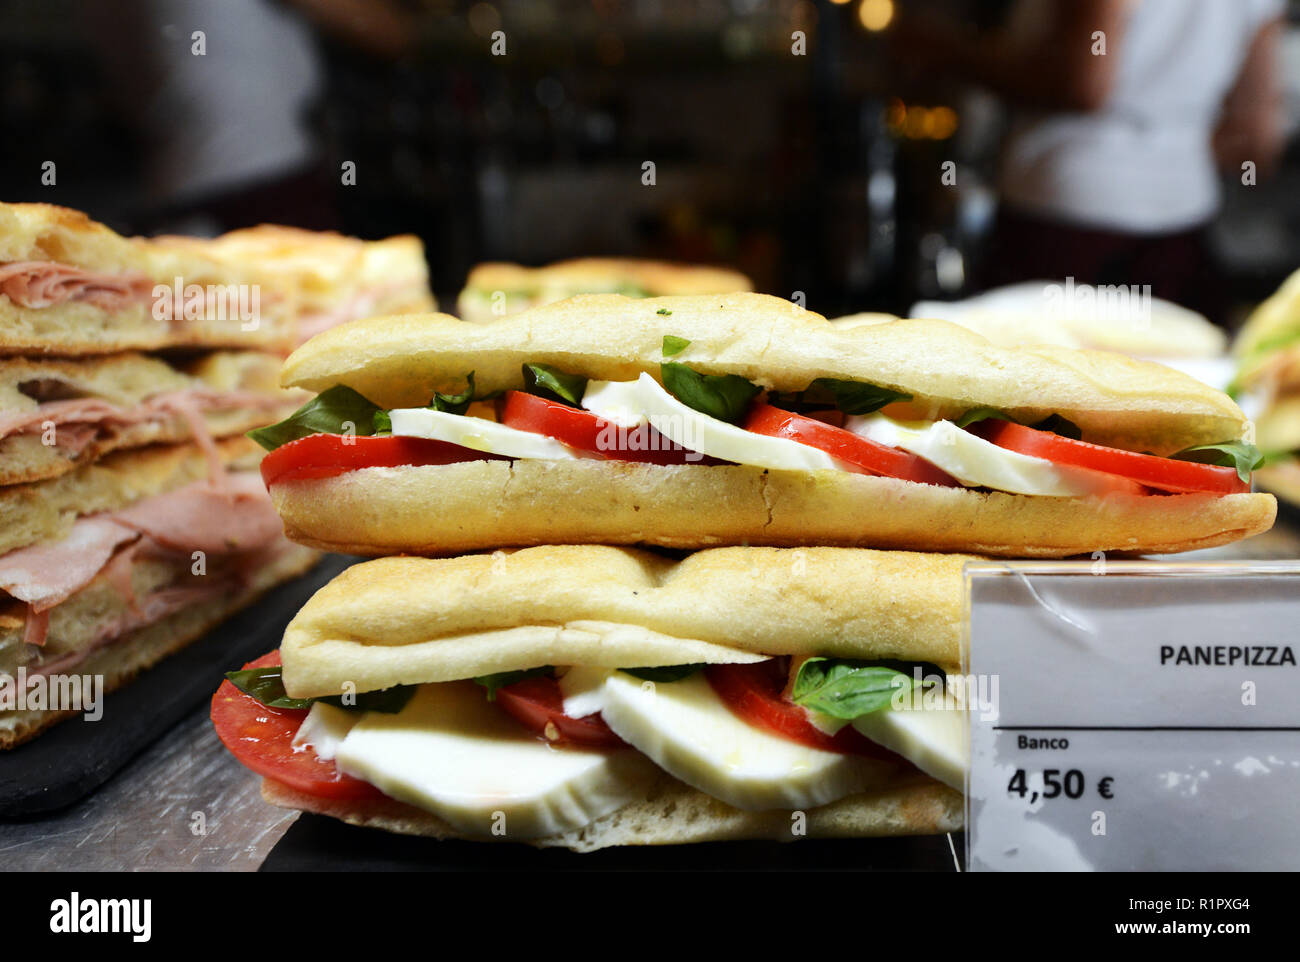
1133 715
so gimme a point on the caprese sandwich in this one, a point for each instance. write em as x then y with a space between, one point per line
744 419
587 696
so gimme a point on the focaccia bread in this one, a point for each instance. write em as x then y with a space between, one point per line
413 620
495 289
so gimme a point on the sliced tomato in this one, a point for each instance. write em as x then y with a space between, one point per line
870 457
538 703
262 739
1164 474
584 431
329 455
753 692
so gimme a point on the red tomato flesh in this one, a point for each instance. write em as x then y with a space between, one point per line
869 457
753 692
1164 474
586 432
329 455
538 702
262 739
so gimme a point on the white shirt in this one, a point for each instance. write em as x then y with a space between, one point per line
1143 163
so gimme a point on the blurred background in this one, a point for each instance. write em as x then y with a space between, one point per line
868 153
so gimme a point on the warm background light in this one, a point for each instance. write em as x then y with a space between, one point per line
876 14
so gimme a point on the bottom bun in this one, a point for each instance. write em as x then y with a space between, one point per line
122 660
476 505
675 814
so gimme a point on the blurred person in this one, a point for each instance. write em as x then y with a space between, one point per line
1123 112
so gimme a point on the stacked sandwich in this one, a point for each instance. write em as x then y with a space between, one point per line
132 517
496 289
786 679
1268 353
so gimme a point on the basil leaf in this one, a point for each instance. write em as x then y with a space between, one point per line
846 689
980 414
1230 454
501 679
554 384
1059 425
673 345
667 313
722 396
851 397
663 673
383 422
387 700
267 686
455 403
327 413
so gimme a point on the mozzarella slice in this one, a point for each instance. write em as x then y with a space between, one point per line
687 729
934 740
324 729
629 404
480 434
455 754
583 689
976 462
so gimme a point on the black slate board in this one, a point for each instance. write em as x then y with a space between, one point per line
75 757
316 843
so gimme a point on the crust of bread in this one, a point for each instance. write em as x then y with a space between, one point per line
46 510
674 814
476 505
123 660
126 380
1115 400
414 620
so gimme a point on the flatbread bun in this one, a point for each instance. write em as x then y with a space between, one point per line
476 505
674 814
400 361
414 620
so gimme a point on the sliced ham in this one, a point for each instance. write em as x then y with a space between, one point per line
233 518
47 284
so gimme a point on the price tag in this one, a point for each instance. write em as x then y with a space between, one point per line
1133 716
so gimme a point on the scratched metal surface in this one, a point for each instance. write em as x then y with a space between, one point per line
149 816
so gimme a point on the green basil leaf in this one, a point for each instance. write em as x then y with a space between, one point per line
328 413
501 679
267 686
722 396
846 689
851 397
554 384
663 673
980 414
383 422
667 313
387 700
1059 425
673 345
455 403
1230 454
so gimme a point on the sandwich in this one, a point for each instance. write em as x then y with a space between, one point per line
71 286
699 421
330 278
495 289
116 563
590 696
1268 355
59 413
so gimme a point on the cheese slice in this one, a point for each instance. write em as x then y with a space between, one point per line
630 404
453 753
976 462
689 732
933 739
324 729
479 434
